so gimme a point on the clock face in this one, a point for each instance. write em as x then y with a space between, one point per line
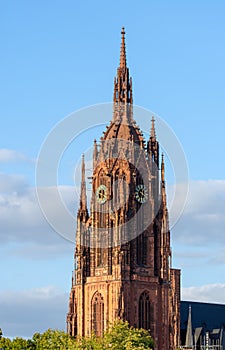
141 193
101 194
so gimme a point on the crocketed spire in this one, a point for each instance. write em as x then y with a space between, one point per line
123 62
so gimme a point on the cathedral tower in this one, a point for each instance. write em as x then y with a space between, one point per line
123 255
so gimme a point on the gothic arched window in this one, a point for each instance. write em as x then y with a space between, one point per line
97 308
144 311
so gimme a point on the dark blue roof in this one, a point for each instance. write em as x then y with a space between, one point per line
208 316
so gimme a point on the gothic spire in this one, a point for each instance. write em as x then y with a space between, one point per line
153 133
123 83
153 145
83 197
163 183
163 170
95 154
123 62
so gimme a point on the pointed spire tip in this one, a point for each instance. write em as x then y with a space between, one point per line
83 169
123 63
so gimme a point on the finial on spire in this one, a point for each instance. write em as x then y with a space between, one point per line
123 62
153 134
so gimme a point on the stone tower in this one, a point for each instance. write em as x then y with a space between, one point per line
123 255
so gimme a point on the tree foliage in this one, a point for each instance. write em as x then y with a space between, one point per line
122 337
118 337
5 343
52 340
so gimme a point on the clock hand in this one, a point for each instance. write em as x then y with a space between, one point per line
142 192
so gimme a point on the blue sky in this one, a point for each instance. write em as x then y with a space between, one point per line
58 57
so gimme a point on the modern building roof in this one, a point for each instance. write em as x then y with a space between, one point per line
207 315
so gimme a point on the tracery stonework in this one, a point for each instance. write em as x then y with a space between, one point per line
123 254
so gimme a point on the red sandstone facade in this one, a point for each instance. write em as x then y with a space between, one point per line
123 255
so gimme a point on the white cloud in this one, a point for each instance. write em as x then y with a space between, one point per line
209 293
25 312
22 221
9 155
203 220
12 183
